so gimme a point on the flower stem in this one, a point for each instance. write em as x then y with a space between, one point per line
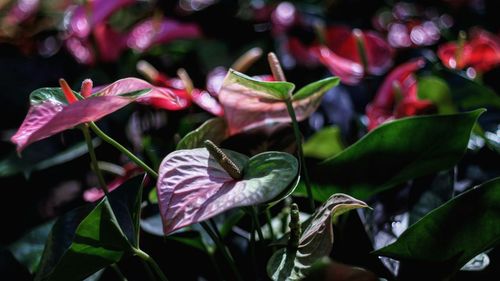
258 227
298 139
270 224
93 160
151 262
118 272
280 76
122 149
223 249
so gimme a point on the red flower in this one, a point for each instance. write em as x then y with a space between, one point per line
482 52
352 54
397 97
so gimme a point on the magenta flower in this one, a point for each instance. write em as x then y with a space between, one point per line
352 54
397 97
54 110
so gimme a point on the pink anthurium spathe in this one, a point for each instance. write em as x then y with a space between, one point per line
397 97
249 103
130 170
155 31
352 54
194 186
202 98
481 52
54 110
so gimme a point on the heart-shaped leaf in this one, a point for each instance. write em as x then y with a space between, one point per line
316 240
249 103
91 237
214 129
454 233
193 187
394 153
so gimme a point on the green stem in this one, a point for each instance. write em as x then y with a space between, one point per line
148 270
122 149
223 249
270 224
298 139
255 218
118 272
93 160
151 262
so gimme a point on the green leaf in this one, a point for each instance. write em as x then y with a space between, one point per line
273 90
42 95
316 88
30 162
28 250
214 129
469 94
323 144
454 233
436 90
91 237
395 153
316 240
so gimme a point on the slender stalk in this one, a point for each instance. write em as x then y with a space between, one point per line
122 149
118 272
150 273
93 160
255 218
223 249
280 76
151 262
270 224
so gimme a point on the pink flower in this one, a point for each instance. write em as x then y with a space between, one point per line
352 54
397 97
54 110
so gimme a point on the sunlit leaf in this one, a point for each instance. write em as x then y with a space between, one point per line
394 153
214 129
325 143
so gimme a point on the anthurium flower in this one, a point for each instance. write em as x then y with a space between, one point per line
481 51
91 13
197 184
153 31
202 98
397 97
54 110
21 11
352 54
250 103
130 170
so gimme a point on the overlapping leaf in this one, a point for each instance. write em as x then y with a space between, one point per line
315 242
193 187
454 233
214 129
249 103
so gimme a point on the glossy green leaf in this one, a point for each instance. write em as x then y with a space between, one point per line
454 233
437 91
469 94
31 162
316 88
394 153
214 129
28 250
273 90
91 237
323 144
316 240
